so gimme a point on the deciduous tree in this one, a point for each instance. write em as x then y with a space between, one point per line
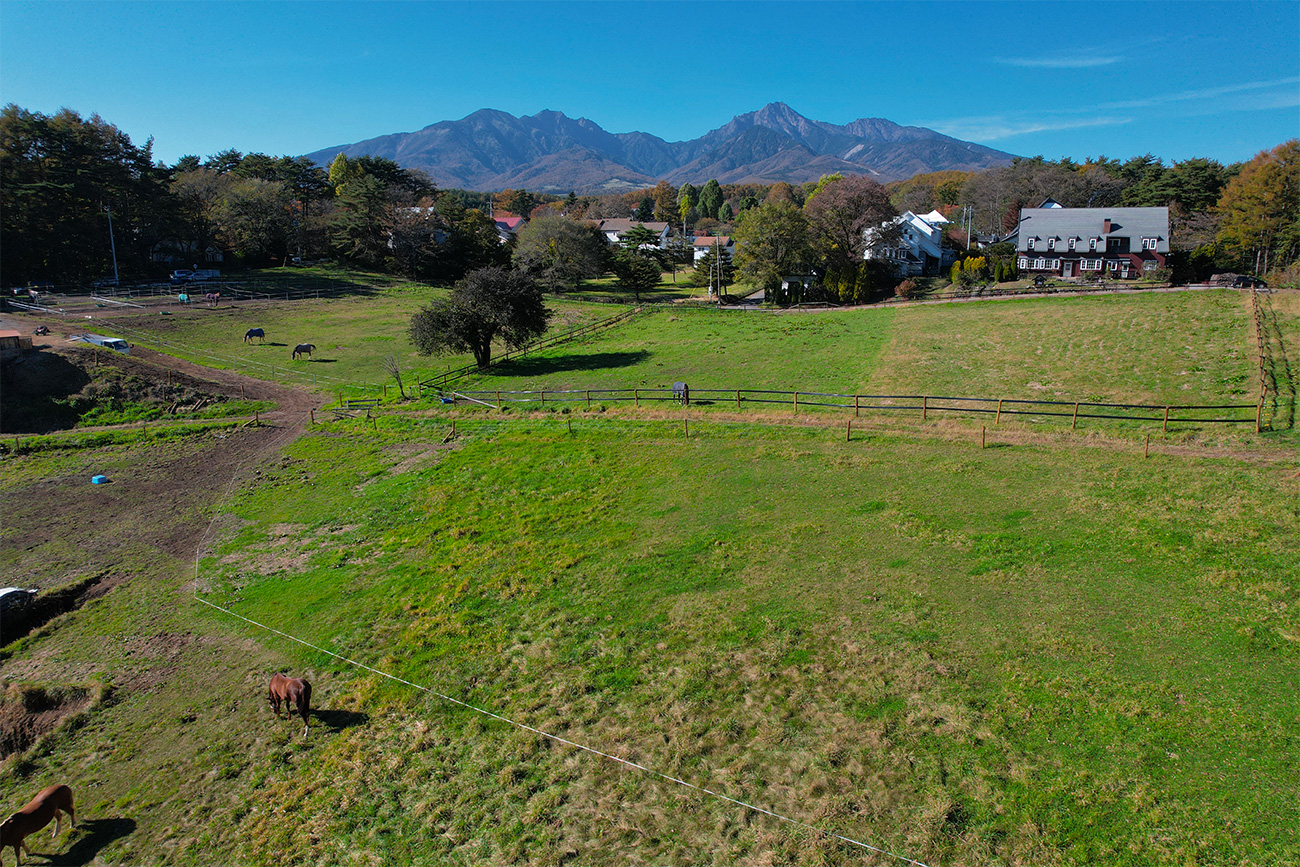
488 304
560 252
772 242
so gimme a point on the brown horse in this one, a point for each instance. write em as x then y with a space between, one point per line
51 803
293 691
303 349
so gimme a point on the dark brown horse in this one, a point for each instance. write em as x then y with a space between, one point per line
51 803
293 691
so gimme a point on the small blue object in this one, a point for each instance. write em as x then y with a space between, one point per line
98 480
448 399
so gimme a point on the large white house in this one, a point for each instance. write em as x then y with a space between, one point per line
702 244
912 245
614 230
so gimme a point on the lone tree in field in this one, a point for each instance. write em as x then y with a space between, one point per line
487 304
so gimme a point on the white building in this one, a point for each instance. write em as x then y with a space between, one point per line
916 246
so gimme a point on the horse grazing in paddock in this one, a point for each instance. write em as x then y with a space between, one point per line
51 803
254 332
303 349
294 691
214 297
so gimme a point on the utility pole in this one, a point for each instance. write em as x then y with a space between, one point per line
111 243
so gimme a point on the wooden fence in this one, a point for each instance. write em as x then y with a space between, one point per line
1235 413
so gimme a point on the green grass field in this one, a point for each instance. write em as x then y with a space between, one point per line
1050 651
1023 655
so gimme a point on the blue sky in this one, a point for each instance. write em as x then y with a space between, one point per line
1179 80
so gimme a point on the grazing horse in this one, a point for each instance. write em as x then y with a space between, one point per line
290 690
51 803
214 296
254 332
303 349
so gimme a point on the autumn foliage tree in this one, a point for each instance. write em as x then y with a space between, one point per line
1260 209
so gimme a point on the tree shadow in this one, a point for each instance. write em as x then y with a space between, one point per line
543 366
338 720
91 837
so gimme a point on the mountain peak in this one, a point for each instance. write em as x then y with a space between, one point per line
551 152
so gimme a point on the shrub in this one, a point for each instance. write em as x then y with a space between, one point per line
906 289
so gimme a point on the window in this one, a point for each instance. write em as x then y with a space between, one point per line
1071 245
1149 265
1023 264
1051 244
1148 243
1056 264
1040 264
1031 244
1092 244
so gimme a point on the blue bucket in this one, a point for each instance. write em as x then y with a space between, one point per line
98 480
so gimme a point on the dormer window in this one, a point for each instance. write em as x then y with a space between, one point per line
1071 245
1148 243
1051 243
1031 243
1092 244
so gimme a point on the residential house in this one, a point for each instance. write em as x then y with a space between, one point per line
704 243
1092 242
614 230
508 225
914 245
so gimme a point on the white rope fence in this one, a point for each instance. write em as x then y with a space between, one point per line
519 725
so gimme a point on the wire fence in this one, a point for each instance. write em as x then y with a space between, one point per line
442 380
925 405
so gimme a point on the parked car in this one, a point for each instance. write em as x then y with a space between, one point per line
104 283
181 276
1245 281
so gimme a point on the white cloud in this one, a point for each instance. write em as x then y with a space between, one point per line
1080 62
995 128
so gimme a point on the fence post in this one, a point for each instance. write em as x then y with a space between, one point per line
636 395
1259 414
588 404
313 416
983 431
855 406
1146 452
796 403
686 427
570 427
997 418
1075 421
1165 429
924 407
498 400
848 431
737 400
542 397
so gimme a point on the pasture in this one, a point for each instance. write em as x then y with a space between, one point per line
1020 655
1046 652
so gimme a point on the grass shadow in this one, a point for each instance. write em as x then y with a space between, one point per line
545 365
338 720
91 837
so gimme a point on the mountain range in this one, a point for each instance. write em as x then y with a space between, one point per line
549 152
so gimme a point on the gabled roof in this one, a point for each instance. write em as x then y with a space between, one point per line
709 241
620 226
1066 223
511 223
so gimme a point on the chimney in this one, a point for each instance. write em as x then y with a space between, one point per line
1105 227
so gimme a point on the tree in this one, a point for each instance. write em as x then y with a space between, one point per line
725 213
253 219
665 199
844 216
714 269
559 251
638 263
1260 209
488 304
60 174
710 199
645 209
772 242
